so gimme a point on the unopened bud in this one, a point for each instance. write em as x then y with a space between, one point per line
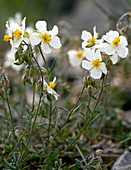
1 92
85 81
24 79
39 85
90 91
56 164
1 84
109 65
7 83
31 71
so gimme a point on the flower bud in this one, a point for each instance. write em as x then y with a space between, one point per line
31 71
39 85
7 83
90 91
85 81
24 79
56 164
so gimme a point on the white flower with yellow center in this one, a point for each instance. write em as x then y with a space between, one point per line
90 40
15 33
115 45
50 88
75 57
46 38
94 64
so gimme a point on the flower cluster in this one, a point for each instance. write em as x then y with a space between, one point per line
23 41
112 44
93 55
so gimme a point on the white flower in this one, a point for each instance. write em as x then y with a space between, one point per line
16 19
16 33
10 60
89 39
94 64
50 88
46 38
115 45
75 57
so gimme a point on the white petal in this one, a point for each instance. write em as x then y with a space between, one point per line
54 80
7 25
101 46
103 68
90 54
110 36
49 90
14 26
96 73
122 51
17 43
45 48
45 83
86 35
23 24
41 26
55 42
95 33
123 41
114 58
71 52
52 92
75 61
54 31
98 55
86 65
110 49
84 44
35 39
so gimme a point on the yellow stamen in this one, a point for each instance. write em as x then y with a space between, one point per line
45 37
91 40
7 38
16 35
96 62
79 54
52 85
116 41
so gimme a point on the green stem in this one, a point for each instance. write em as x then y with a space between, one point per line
67 118
47 68
90 119
31 131
72 110
49 124
10 112
100 93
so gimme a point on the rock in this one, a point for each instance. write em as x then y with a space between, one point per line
124 162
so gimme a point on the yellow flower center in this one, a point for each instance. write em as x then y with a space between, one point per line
16 35
96 63
79 54
45 37
52 85
91 40
7 38
116 41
